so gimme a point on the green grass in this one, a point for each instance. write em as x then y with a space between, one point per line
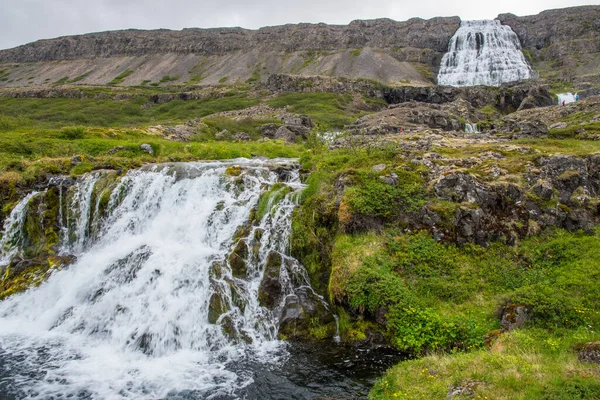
424 70
27 155
56 113
328 110
120 78
247 125
80 77
526 364
38 136
62 80
445 298
255 77
440 301
168 78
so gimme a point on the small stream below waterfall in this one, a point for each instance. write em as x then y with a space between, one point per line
156 304
314 371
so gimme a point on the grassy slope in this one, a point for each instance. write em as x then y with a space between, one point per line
40 135
442 301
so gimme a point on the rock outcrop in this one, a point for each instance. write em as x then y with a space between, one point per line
562 44
381 49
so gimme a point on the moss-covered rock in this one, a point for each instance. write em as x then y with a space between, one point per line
21 274
238 260
270 290
234 170
217 306
305 316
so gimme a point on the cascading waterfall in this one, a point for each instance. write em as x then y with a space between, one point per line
152 308
12 232
483 53
471 128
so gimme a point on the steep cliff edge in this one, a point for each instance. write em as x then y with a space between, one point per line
381 49
561 44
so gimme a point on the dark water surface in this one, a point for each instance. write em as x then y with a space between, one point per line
307 371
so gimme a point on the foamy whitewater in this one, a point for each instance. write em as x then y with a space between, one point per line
129 319
483 53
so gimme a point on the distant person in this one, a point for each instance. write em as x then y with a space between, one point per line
563 103
576 97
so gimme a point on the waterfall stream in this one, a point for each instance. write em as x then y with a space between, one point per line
130 318
483 53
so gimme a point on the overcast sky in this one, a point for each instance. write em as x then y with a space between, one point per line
24 21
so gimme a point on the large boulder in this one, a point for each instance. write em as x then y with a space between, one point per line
538 96
268 130
270 290
301 311
285 134
514 316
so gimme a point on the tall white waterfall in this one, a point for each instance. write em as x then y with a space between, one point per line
483 53
131 317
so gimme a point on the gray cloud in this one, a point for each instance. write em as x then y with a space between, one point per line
23 21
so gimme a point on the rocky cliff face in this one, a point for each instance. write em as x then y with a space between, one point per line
380 33
381 49
562 44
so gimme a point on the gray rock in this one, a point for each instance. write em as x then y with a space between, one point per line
301 120
544 190
268 130
300 311
514 316
270 290
285 134
300 131
145 147
558 125
242 136
590 353
379 168
115 150
76 160
463 390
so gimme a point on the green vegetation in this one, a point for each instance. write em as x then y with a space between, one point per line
424 70
214 125
62 80
353 231
328 110
525 364
56 113
440 301
121 77
255 77
80 77
168 78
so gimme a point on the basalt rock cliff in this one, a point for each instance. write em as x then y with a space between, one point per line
561 44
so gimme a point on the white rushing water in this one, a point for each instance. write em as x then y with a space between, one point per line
483 53
566 98
471 128
12 239
130 318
